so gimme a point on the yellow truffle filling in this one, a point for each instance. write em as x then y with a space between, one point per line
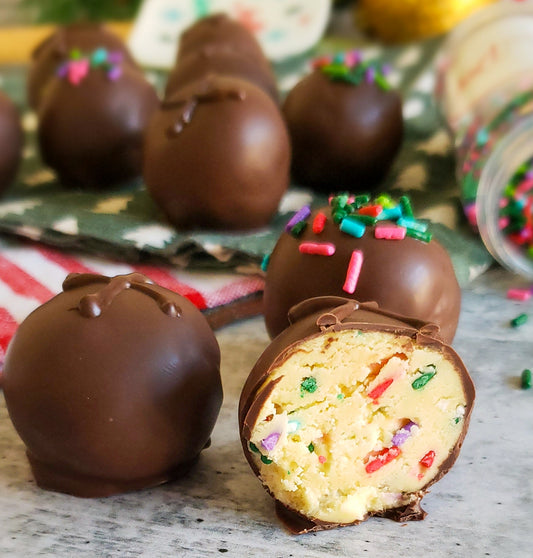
358 423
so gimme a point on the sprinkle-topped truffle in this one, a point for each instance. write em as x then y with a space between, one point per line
377 251
345 124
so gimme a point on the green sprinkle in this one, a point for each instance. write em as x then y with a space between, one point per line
265 262
340 396
288 472
381 81
311 447
339 215
424 236
253 447
457 420
385 201
75 54
361 200
519 320
340 201
266 460
298 229
422 380
365 219
525 379
308 385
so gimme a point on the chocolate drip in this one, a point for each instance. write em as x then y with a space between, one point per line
208 92
92 305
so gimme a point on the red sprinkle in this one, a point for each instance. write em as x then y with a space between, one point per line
379 389
427 460
372 210
385 456
319 223
317 248
519 294
322 458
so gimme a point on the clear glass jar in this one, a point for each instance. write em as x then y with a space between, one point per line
485 92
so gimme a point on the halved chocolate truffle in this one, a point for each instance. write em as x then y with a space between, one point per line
92 121
113 385
352 412
11 141
413 276
55 49
217 155
346 127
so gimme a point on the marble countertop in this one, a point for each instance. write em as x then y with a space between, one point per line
483 507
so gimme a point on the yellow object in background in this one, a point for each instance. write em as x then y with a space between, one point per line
406 20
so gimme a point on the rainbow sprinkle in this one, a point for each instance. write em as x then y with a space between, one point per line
350 67
78 65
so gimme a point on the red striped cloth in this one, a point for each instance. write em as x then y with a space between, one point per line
31 274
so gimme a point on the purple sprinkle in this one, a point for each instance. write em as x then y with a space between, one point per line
300 215
401 435
62 71
115 57
114 73
270 441
386 69
370 75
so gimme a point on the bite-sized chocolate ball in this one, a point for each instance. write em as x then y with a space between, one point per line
217 155
353 412
217 31
343 135
48 55
91 131
11 141
410 276
113 385
226 61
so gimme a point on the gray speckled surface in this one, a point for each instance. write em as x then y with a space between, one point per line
483 507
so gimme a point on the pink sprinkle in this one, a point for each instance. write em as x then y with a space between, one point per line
352 58
77 70
503 222
322 459
389 232
317 248
353 272
470 212
519 294
504 202
319 222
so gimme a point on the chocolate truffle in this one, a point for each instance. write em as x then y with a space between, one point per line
11 141
55 49
225 60
412 276
113 385
352 412
345 126
217 31
217 155
92 122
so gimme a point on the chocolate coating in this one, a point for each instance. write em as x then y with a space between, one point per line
225 60
92 133
11 141
217 155
409 276
113 385
217 31
55 49
343 136
319 317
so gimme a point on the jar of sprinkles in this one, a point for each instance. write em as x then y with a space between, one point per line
485 92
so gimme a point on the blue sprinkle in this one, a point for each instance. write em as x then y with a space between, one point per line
353 227
390 214
482 137
413 224
265 262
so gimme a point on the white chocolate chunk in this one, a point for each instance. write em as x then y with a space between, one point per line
353 434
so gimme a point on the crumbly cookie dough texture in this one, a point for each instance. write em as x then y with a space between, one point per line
351 412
